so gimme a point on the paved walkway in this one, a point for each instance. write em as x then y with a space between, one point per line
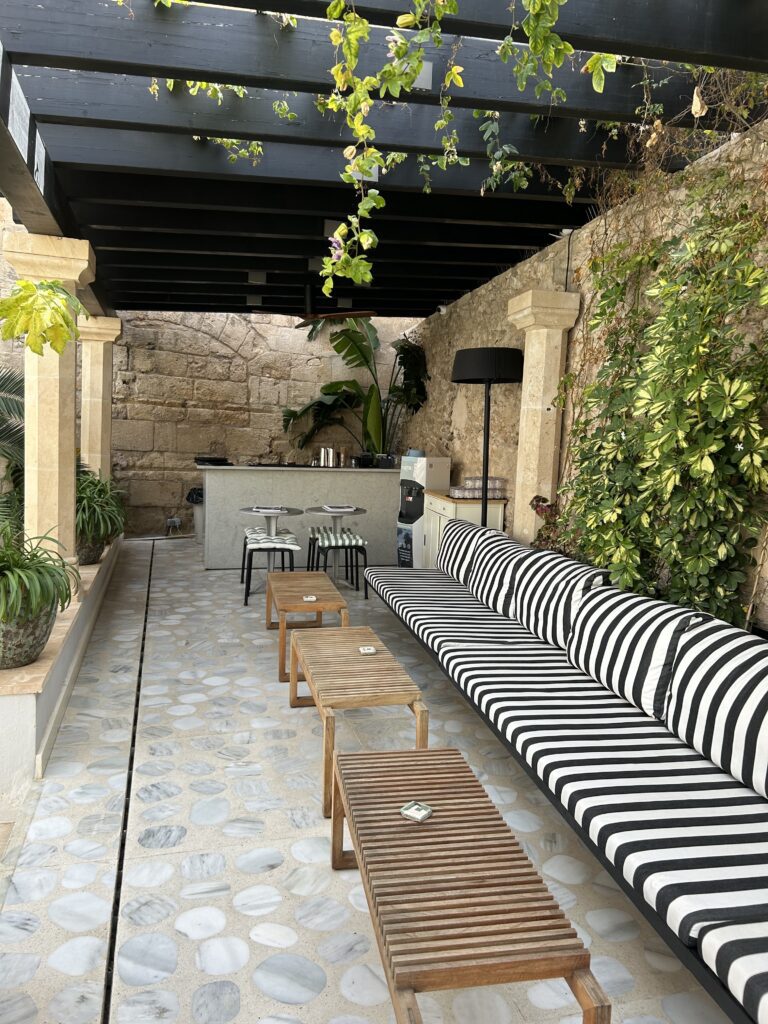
220 905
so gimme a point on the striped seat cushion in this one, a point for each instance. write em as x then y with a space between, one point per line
718 700
327 538
438 608
493 567
548 589
628 643
738 955
282 540
457 548
688 838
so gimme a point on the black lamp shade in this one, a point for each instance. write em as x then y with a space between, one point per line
488 366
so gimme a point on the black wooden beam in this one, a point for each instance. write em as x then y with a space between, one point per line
242 280
26 173
97 149
278 248
231 46
116 260
378 290
326 200
124 101
720 32
297 226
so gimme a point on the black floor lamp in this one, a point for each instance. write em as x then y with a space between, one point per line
487 366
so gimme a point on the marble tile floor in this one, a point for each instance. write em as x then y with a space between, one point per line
227 909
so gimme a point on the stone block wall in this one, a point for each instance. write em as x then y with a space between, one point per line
215 384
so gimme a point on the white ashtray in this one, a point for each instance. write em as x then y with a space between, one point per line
367 650
309 597
414 810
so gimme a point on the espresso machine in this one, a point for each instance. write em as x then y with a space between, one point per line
418 473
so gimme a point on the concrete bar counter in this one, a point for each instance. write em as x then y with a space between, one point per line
230 488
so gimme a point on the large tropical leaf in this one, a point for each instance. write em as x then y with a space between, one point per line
43 313
356 343
372 420
326 410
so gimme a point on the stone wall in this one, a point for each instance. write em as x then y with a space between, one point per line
213 383
451 422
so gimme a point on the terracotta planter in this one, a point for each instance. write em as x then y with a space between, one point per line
22 640
89 554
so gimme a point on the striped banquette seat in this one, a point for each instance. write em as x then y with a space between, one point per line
644 722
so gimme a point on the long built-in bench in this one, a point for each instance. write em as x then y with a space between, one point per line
645 723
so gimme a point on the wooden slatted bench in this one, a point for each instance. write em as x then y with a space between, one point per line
455 903
287 590
340 677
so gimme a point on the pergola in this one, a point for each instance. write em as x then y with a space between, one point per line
88 152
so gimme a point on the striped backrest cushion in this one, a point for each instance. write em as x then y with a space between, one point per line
548 589
457 547
493 567
628 643
718 700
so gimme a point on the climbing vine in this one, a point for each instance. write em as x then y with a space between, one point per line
669 452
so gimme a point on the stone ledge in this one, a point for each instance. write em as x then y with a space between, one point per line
33 678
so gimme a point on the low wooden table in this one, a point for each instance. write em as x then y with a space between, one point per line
454 901
286 590
339 677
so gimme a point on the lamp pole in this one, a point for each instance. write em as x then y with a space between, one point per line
486 447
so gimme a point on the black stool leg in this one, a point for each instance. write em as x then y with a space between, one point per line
310 555
282 561
346 564
325 559
364 553
248 572
290 561
242 563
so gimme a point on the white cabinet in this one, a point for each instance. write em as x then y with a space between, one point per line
439 508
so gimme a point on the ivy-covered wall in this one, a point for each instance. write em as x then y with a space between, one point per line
450 423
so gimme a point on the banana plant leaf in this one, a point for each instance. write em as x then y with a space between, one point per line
372 420
357 343
326 410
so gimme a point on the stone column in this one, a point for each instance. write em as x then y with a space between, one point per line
49 392
546 317
96 336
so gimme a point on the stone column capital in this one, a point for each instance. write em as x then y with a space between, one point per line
99 330
538 307
49 257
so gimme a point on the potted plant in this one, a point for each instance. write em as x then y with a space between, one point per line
99 518
34 582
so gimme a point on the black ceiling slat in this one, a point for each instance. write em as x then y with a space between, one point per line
327 200
231 46
720 32
279 248
124 101
110 260
100 216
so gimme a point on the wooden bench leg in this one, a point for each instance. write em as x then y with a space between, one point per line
268 621
329 738
341 859
419 708
294 699
591 998
405 1006
344 616
282 674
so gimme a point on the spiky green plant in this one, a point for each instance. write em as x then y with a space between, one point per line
34 577
12 445
100 513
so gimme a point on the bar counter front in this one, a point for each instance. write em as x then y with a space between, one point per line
227 489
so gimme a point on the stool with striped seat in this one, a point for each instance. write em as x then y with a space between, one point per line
257 540
322 540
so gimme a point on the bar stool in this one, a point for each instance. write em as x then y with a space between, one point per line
257 532
282 542
352 544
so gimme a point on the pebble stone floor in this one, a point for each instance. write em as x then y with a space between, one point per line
228 908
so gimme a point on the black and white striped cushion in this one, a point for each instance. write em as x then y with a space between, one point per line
457 547
738 955
688 838
548 589
439 609
718 700
628 643
493 567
